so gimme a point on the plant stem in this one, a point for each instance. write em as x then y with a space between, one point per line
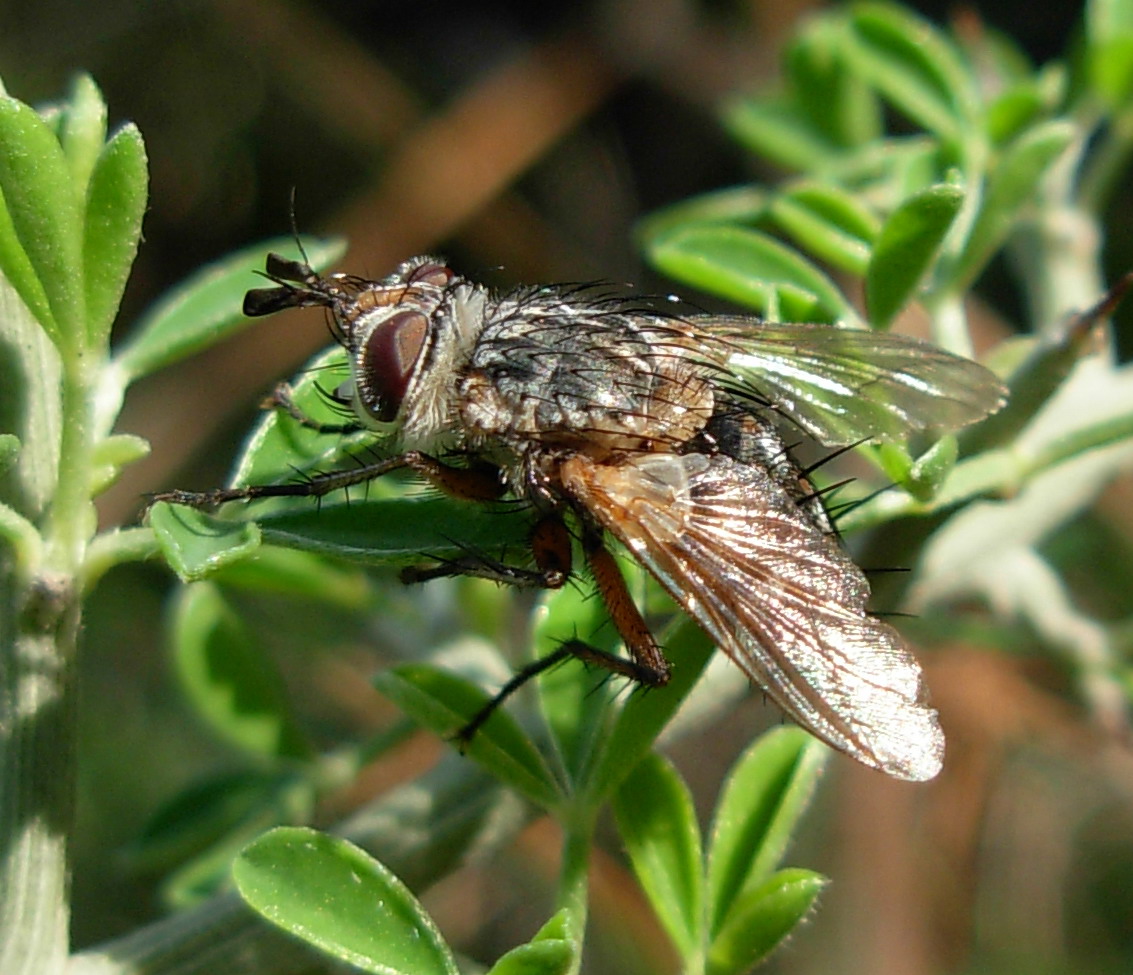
37 636
39 624
574 875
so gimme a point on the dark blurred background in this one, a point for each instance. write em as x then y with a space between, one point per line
523 141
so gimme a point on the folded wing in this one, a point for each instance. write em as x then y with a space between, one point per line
778 595
842 385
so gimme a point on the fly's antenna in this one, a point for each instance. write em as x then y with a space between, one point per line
295 226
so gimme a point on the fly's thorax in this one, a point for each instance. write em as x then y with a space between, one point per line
545 373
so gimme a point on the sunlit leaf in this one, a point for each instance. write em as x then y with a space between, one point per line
336 897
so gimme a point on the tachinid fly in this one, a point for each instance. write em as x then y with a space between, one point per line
659 431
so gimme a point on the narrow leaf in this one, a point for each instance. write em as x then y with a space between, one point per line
644 715
761 919
111 455
195 544
45 215
829 222
208 306
116 203
752 268
578 702
83 130
657 823
444 703
1012 185
396 531
548 957
763 799
1109 32
16 268
341 900
834 98
775 130
229 678
906 246
913 65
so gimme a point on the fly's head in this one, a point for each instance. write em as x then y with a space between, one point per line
389 328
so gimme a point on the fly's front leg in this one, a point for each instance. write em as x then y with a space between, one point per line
474 483
282 399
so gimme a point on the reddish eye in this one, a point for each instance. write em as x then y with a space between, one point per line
436 274
386 363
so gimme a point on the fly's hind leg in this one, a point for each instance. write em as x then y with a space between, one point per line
550 551
647 665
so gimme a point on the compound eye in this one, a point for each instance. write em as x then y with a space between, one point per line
385 363
432 273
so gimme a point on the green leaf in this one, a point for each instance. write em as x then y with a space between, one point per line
1012 185
541 958
9 450
735 204
644 715
774 130
834 98
657 823
444 703
752 268
914 66
762 801
829 222
16 268
929 472
45 219
116 203
30 407
1013 110
203 814
195 544
83 130
112 454
291 572
1109 33
578 701
761 919
229 678
550 952
906 246
208 306
341 900
396 531
280 447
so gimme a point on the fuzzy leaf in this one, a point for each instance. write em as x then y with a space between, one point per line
905 247
208 306
231 681
116 203
657 823
45 220
761 919
444 703
763 799
752 268
336 897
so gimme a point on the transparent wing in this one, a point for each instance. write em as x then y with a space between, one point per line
777 595
843 385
